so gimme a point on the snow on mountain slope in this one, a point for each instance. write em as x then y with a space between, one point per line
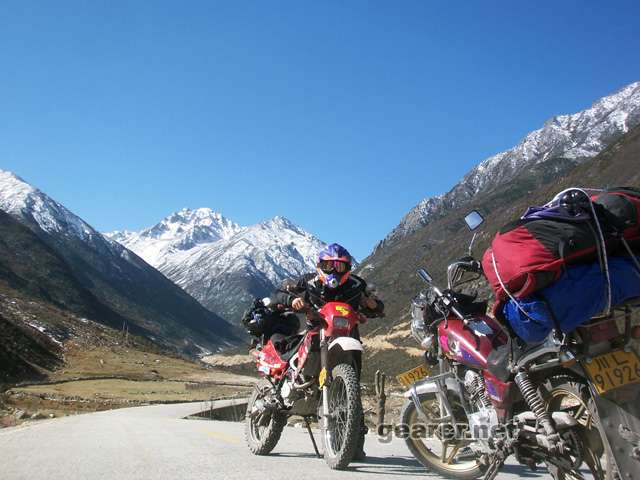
178 232
120 285
572 138
225 270
20 199
276 248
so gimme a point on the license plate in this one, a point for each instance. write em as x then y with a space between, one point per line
413 375
613 370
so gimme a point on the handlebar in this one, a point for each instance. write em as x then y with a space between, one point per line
454 273
457 269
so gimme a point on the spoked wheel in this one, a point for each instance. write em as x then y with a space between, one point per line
341 435
263 425
437 451
585 456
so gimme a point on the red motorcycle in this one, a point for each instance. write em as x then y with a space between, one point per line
494 397
314 374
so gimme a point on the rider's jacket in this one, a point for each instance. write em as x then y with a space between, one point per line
317 294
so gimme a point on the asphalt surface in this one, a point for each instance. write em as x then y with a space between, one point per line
155 442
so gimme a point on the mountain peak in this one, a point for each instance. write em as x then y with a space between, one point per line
14 191
196 213
228 273
24 201
187 228
180 231
280 222
570 139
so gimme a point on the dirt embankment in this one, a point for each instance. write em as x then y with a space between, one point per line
95 378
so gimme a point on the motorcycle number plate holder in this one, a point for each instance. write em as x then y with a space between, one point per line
411 376
613 370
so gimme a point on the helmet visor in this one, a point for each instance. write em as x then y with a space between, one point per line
329 266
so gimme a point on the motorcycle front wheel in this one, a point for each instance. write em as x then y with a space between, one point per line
342 429
445 457
263 426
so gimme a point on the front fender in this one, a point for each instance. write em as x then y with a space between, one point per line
345 350
346 343
427 385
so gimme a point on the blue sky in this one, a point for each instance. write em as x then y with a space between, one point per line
338 115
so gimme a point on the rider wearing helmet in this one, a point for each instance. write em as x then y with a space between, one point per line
333 282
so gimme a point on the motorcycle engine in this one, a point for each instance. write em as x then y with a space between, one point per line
484 421
288 393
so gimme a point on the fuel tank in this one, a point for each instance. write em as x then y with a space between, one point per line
470 344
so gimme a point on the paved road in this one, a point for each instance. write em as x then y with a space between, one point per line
156 443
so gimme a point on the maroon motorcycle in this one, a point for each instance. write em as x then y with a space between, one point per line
492 396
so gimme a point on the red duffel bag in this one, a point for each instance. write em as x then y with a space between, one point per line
530 253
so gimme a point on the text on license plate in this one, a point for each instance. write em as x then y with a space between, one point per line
613 370
413 375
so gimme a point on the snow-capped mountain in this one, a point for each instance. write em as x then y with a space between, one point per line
221 264
20 199
178 232
119 285
438 235
563 141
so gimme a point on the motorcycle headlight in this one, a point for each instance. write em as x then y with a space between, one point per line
427 341
418 328
340 323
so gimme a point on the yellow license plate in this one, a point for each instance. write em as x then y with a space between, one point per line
413 375
613 370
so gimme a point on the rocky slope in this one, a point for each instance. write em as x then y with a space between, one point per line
388 343
221 264
563 142
502 187
53 254
444 239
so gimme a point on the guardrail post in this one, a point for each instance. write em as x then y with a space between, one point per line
382 399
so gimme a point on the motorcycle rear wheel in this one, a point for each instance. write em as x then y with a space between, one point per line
568 394
431 452
262 431
342 435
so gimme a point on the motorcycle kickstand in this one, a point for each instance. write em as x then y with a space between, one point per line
494 468
313 440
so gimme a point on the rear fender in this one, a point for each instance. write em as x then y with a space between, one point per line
619 414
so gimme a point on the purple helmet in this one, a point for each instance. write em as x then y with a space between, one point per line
334 265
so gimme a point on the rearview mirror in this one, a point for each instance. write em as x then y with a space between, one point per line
474 220
424 275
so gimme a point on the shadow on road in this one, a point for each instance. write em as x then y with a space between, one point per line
390 466
379 465
293 455
408 466
524 472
